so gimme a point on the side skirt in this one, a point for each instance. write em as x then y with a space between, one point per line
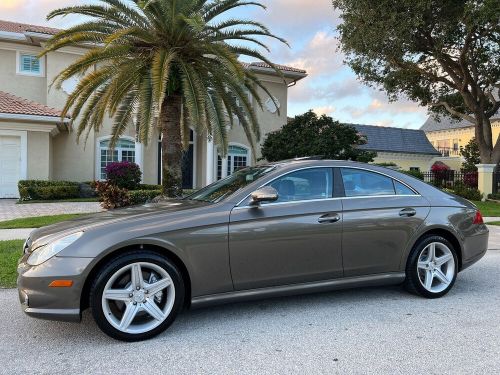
295 289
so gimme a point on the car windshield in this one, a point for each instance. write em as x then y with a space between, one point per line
220 190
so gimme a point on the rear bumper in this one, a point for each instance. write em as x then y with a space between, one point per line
474 247
38 300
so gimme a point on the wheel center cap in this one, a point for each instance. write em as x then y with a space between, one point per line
138 296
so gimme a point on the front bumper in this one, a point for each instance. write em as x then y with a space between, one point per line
38 300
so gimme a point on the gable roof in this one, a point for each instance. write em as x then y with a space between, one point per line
14 105
283 68
386 139
444 123
15 27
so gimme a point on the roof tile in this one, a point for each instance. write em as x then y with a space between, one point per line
15 105
15 27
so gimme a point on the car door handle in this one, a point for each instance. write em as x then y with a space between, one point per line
329 218
407 212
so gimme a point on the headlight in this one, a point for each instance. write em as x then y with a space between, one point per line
44 253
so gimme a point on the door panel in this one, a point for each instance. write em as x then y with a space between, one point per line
376 231
285 243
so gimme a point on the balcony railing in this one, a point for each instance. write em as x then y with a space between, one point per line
448 151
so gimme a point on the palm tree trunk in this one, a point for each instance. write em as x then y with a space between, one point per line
171 145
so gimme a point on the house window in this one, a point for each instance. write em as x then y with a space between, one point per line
237 158
455 145
29 64
123 151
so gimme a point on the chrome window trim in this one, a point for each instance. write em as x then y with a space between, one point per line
417 194
328 199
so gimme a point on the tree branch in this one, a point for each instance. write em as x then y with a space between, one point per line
454 112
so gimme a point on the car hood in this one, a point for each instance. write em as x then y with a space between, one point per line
49 233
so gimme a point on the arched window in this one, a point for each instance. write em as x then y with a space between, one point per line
238 157
123 151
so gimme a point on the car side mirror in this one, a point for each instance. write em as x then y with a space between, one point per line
264 194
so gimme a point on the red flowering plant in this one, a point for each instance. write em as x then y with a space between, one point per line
441 173
124 174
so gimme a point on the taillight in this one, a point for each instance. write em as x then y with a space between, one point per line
478 219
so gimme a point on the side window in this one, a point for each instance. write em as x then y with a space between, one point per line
359 183
307 184
402 189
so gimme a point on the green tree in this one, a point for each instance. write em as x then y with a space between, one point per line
170 63
310 135
471 155
443 54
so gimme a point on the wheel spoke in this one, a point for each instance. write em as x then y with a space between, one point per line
117 294
137 280
443 259
431 252
158 286
152 309
423 265
128 316
429 277
441 276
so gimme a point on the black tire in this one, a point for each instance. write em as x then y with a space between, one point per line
412 281
114 266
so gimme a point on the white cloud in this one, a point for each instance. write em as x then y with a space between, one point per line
326 110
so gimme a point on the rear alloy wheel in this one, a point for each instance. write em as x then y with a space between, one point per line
432 267
137 296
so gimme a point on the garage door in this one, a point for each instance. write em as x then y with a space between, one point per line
10 165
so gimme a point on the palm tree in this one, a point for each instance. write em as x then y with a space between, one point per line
169 64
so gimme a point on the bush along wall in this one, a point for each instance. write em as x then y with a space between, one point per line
47 190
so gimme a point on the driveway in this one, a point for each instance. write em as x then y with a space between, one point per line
10 210
369 330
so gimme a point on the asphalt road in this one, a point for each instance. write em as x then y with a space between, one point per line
371 330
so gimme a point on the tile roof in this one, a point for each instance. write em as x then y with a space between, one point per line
15 27
386 139
283 68
444 123
15 105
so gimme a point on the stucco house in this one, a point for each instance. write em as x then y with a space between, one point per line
448 136
409 149
36 144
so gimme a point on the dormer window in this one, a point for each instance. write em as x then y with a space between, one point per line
29 64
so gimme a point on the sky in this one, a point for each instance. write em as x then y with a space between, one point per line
309 27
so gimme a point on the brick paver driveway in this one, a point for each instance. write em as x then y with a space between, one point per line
10 210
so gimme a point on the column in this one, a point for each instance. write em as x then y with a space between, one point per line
210 162
485 179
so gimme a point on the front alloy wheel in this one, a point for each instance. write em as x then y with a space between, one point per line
137 296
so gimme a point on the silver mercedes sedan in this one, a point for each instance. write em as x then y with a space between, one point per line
280 229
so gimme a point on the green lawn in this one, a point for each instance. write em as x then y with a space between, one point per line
36 221
10 252
488 208
61 200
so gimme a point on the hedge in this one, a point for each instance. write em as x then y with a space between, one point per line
47 190
142 196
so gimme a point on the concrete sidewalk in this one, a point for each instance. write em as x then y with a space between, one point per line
14 234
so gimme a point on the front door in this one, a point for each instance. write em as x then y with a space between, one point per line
380 217
294 240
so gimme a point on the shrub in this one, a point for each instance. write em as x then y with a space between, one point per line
415 173
143 196
494 196
471 179
467 192
149 187
112 196
125 175
47 190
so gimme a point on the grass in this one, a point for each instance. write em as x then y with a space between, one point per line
61 200
10 252
36 221
489 209
497 223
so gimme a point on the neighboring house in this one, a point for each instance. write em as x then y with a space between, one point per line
408 149
36 144
448 136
